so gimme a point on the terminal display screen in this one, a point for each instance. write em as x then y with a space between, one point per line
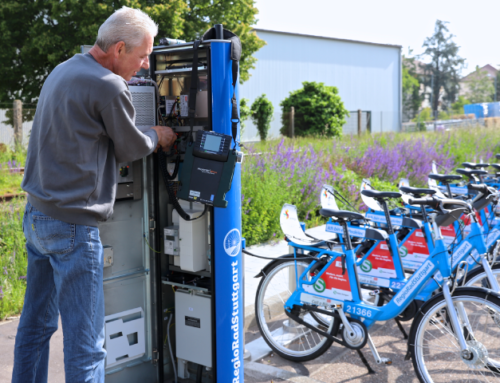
212 146
212 143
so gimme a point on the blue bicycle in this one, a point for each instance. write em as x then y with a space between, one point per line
455 334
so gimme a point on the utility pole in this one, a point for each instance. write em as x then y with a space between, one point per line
359 122
292 122
496 92
18 122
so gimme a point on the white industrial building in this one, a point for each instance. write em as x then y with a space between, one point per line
367 75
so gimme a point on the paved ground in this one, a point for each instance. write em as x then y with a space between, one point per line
8 331
340 365
336 365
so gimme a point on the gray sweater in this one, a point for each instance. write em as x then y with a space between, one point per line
83 127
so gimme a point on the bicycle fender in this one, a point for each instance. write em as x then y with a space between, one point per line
280 259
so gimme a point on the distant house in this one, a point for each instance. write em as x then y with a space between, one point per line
490 71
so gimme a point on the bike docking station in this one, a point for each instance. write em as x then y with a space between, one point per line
173 267
334 286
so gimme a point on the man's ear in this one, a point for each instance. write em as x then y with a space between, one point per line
119 49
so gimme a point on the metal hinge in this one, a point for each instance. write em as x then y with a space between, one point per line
156 356
152 224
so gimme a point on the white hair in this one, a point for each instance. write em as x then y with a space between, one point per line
128 25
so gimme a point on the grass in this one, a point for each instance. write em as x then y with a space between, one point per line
10 177
13 258
278 172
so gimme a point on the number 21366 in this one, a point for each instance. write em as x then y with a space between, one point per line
358 311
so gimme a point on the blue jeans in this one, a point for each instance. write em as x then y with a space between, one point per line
65 266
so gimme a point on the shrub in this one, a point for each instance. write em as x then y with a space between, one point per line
424 115
281 174
319 111
458 106
262 114
244 114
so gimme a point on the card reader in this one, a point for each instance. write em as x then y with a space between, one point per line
208 168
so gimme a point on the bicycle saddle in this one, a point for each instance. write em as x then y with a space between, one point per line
341 214
417 192
378 194
376 234
412 222
497 156
471 173
496 166
445 178
473 165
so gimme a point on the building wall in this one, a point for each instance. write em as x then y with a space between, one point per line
368 76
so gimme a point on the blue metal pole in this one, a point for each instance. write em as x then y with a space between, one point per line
228 261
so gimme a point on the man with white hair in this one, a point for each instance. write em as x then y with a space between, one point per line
83 127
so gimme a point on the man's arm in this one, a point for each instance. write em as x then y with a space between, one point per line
129 142
166 136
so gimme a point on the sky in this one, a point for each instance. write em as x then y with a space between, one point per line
475 24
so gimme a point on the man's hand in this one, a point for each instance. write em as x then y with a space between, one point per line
166 136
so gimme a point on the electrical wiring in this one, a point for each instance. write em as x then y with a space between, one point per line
146 239
170 347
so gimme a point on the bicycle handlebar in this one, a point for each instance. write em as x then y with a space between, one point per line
437 203
449 201
482 188
434 203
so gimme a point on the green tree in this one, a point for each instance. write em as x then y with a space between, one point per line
244 113
236 16
412 96
497 89
319 111
262 114
480 88
442 73
458 106
38 35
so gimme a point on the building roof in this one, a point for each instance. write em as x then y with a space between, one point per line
489 69
327 38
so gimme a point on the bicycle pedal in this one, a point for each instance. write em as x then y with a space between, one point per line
386 361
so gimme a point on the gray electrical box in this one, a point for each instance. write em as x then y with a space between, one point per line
193 327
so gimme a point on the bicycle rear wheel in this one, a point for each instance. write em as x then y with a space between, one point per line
285 336
478 277
434 346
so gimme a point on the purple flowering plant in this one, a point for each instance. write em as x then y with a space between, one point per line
293 171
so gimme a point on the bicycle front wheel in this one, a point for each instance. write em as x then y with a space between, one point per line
288 338
437 356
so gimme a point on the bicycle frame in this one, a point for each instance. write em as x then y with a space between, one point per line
467 249
357 308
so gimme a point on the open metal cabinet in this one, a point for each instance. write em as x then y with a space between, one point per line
172 284
130 279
